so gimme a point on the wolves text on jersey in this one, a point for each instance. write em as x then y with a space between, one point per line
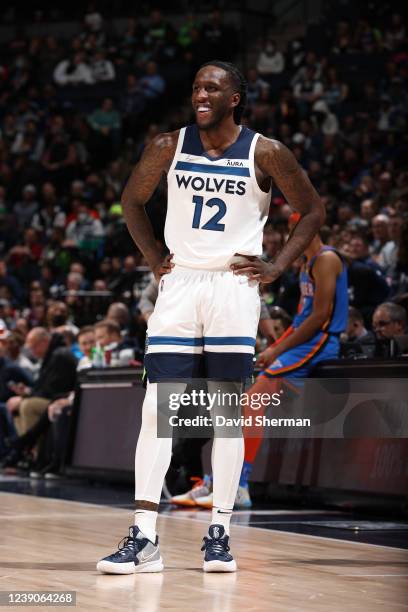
211 184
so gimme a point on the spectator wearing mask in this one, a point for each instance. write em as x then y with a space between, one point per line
85 229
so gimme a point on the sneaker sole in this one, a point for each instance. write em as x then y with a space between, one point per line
107 567
220 566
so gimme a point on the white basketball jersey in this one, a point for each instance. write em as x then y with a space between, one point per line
215 205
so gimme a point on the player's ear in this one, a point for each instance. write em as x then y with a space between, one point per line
236 97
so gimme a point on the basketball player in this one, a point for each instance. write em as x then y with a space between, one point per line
314 335
219 177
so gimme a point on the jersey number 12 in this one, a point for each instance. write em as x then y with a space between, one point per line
213 223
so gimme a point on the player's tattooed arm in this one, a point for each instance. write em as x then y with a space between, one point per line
146 175
275 160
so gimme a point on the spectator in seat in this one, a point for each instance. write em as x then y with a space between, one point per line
152 83
25 209
56 378
75 71
14 343
271 64
50 215
359 250
307 91
102 69
106 124
356 331
84 228
389 320
382 248
86 341
108 336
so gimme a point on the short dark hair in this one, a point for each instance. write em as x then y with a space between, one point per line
110 325
355 315
239 82
86 330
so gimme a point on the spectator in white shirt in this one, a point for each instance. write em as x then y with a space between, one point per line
73 72
270 61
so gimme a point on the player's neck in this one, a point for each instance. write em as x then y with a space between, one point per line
216 140
313 248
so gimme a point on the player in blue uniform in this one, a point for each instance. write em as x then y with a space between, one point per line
219 177
314 335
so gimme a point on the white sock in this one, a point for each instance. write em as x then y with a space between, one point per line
221 516
146 521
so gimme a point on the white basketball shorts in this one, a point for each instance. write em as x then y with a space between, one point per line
204 325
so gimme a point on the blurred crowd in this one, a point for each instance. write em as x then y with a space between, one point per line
75 116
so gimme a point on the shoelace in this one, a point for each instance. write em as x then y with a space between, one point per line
128 543
218 547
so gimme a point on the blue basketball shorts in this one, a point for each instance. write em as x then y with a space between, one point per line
297 362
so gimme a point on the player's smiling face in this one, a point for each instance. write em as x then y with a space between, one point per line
213 97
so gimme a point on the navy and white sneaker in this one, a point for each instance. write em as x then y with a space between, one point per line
135 554
217 557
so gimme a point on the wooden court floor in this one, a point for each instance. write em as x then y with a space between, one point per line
52 544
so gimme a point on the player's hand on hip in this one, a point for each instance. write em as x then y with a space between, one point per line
255 268
164 267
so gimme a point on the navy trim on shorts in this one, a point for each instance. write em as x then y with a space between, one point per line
228 366
165 366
